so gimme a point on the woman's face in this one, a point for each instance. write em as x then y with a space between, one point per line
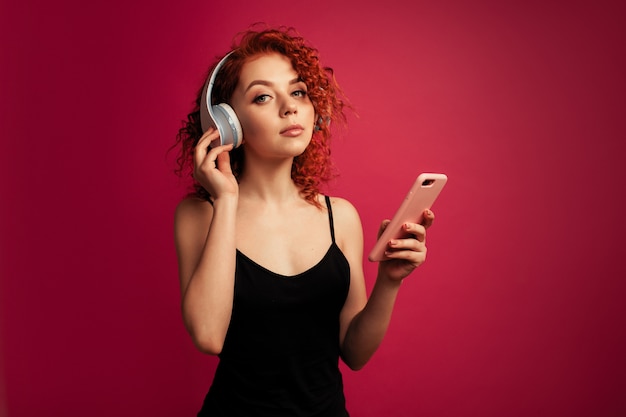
272 104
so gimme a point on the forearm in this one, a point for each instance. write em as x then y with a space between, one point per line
208 299
368 327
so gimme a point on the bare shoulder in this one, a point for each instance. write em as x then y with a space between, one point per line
346 219
343 208
193 213
193 207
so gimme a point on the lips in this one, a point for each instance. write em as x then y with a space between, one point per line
293 130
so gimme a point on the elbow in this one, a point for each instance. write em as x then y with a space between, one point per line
206 336
206 340
354 364
208 345
208 349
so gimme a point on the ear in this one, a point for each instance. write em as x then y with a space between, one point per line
321 122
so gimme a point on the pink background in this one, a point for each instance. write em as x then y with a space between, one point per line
520 309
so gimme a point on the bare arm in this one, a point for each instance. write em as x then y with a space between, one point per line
364 322
206 257
205 245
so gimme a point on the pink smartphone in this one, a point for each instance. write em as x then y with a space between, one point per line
421 196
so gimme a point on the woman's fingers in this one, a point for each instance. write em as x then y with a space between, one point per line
413 249
223 160
417 230
429 217
412 245
407 253
415 243
383 226
207 159
202 147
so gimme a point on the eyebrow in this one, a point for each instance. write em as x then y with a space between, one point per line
269 83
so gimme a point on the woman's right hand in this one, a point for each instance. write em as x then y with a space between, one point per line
212 167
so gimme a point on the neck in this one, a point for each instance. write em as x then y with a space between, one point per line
270 182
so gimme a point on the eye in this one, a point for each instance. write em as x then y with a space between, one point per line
299 93
263 98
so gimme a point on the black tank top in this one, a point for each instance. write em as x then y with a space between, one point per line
281 352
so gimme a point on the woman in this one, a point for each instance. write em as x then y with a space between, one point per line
271 270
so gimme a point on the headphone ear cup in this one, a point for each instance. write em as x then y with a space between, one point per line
227 124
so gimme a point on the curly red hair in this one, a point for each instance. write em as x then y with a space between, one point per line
313 167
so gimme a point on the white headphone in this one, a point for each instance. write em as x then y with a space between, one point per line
220 116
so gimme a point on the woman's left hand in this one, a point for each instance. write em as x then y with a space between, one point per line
404 255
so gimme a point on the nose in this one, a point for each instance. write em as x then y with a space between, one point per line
289 107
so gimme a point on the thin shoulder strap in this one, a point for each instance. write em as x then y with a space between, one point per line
330 218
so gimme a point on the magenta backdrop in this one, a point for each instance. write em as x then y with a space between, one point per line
520 308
